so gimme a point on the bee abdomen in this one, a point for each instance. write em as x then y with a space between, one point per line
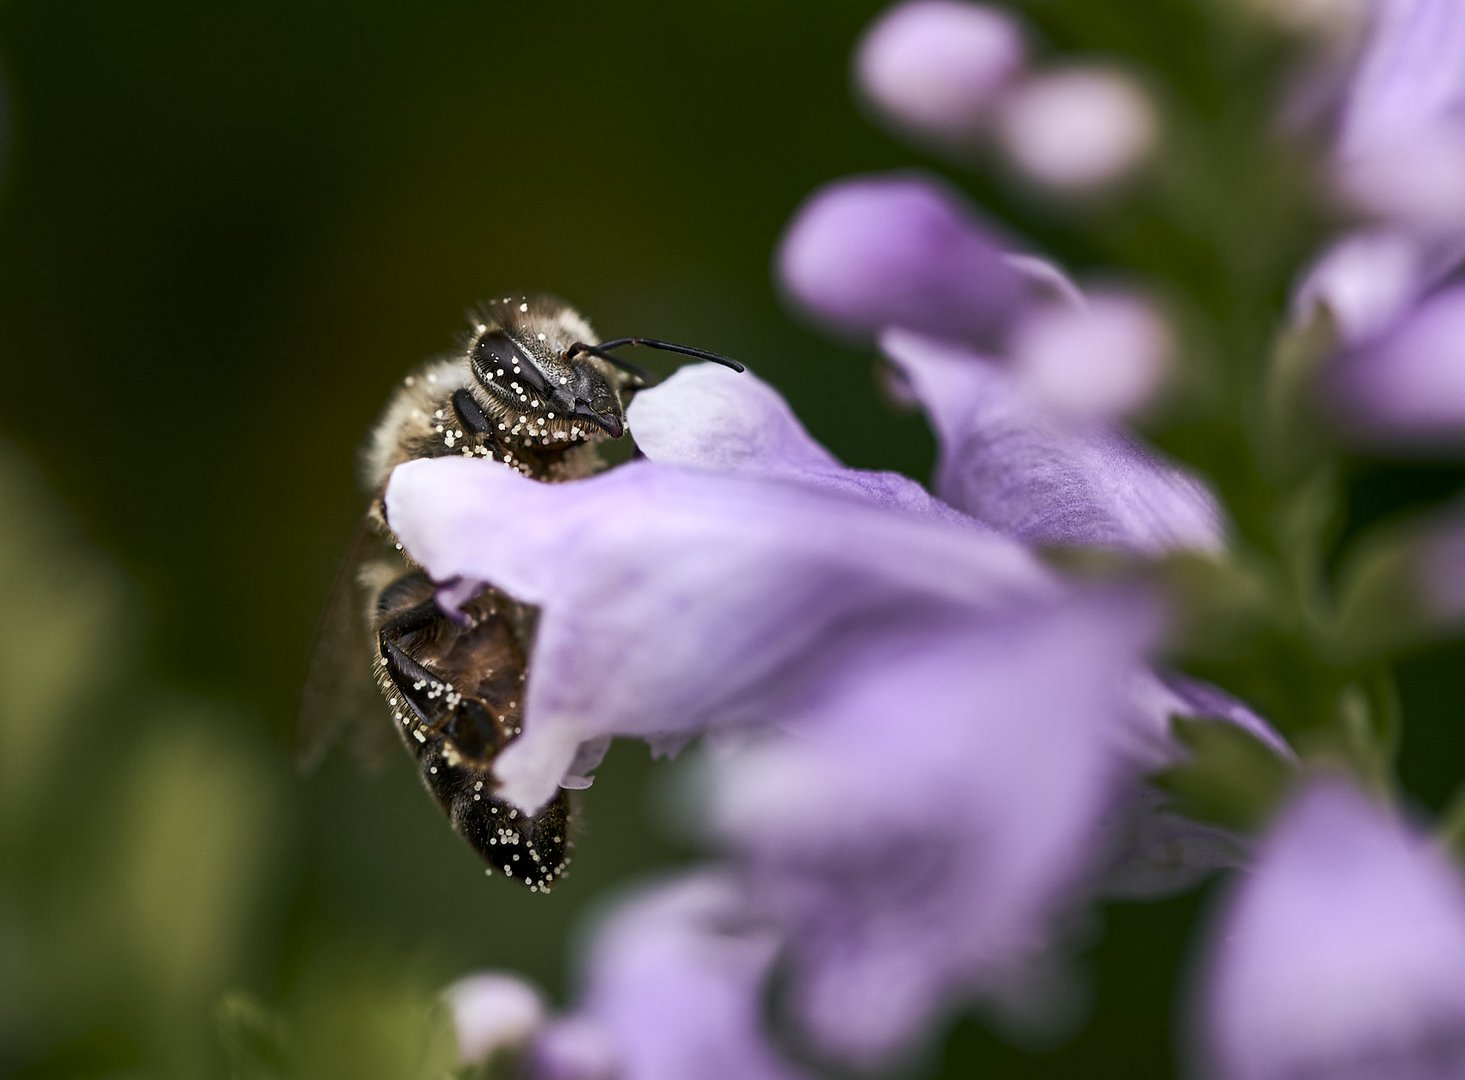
455 733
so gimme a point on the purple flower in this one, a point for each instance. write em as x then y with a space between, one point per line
1342 955
936 811
1407 386
1077 130
1042 478
872 252
956 74
1367 280
1396 379
1400 152
1401 142
700 591
672 988
930 747
674 600
1102 358
936 67
939 742
493 1014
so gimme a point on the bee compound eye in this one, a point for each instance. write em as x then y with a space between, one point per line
497 352
494 351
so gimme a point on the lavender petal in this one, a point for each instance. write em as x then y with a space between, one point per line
674 983
492 1014
1009 463
708 417
1342 955
1407 387
936 68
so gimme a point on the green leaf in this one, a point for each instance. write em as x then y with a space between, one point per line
1230 778
1294 440
1383 605
1219 602
254 1038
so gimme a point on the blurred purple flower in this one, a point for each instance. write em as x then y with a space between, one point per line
867 253
673 985
937 67
1407 387
672 988
1401 153
1078 130
706 417
936 811
1366 279
1101 359
1401 135
493 1014
957 74
1343 955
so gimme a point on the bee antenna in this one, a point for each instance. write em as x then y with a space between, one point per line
669 346
635 370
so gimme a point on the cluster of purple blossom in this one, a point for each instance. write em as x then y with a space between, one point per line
925 750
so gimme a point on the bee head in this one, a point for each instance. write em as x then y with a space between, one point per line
533 358
525 361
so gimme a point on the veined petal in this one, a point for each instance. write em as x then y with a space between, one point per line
711 418
1342 955
932 813
1401 144
1009 463
1410 76
672 600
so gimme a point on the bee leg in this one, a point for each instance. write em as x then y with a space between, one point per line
474 734
470 415
425 694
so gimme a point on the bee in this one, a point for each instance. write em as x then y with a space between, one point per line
530 389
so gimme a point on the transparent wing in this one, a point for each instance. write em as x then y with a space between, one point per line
339 702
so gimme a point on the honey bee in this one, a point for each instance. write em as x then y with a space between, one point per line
526 388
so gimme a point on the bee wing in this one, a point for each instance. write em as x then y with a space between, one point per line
339 701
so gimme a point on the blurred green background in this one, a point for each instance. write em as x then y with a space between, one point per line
226 230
